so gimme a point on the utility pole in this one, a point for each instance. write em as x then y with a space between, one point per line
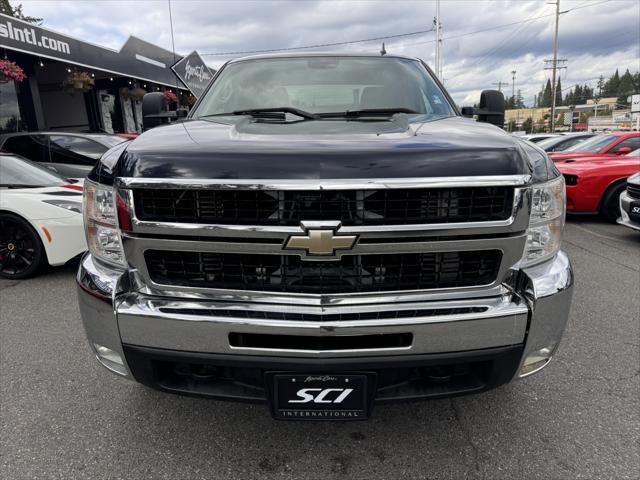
436 22
554 68
513 84
499 85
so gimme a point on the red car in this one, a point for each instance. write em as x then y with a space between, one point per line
594 184
605 146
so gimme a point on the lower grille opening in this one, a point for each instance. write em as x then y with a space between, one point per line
302 342
224 377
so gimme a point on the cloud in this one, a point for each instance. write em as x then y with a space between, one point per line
596 37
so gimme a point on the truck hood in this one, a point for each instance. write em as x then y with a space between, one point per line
242 148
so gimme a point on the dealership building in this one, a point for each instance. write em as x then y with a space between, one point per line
73 85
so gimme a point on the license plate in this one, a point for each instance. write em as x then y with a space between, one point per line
317 396
634 209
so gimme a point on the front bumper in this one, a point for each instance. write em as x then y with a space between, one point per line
420 349
627 217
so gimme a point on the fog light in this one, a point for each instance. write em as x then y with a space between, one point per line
536 361
110 359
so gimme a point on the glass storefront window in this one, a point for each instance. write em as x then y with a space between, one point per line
9 109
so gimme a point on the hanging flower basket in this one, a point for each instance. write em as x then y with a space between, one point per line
79 81
10 71
170 96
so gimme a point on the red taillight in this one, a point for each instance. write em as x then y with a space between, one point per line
124 213
73 187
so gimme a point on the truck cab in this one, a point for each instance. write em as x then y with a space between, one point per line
322 233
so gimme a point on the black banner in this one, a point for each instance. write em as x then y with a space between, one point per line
193 72
136 59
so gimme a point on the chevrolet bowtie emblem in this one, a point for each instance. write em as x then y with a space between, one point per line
320 239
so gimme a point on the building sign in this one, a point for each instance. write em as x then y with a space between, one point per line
635 103
136 58
193 72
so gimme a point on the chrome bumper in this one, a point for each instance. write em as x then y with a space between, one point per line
534 314
625 208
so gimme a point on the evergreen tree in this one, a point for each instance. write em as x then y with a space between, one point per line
527 125
611 86
625 88
519 101
547 95
16 12
600 85
559 92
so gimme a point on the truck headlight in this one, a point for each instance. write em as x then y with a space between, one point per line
101 224
546 222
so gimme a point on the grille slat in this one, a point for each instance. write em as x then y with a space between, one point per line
633 190
352 207
352 273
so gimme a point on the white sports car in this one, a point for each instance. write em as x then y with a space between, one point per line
40 218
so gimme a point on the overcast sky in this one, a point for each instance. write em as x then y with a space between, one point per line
596 36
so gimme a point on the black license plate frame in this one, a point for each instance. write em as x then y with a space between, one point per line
316 396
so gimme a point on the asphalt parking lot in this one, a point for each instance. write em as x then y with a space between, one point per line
64 416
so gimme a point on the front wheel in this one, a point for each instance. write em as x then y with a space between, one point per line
21 251
610 207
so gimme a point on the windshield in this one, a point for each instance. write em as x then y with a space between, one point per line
110 140
549 142
325 85
16 171
593 145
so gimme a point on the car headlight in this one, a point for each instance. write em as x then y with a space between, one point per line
66 204
101 223
546 222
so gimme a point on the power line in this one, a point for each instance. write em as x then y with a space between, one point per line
399 35
495 27
320 45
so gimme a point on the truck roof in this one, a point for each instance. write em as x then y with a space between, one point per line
316 54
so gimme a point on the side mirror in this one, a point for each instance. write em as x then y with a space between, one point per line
153 107
468 111
623 151
491 109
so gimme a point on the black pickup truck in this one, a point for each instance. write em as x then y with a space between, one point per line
323 233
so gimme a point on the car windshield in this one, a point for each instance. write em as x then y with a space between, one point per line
593 145
549 142
320 85
562 143
110 140
19 172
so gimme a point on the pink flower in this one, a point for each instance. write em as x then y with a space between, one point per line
170 96
12 71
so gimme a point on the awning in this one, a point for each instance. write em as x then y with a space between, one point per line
136 59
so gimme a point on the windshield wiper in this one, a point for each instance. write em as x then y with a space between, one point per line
274 112
368 112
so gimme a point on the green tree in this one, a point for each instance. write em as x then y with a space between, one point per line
625 88
527 125
600 85
558 92
519 101
16 12
611 86
547 95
